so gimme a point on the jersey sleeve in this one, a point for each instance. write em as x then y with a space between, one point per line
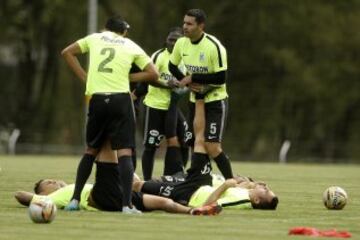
84 43
141 59
219 58
175 57
62 196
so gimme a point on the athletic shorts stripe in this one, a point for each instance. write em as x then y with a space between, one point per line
223 114
146 127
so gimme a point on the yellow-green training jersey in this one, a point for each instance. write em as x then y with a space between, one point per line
234 198
159 98
62 197
110 58
204 57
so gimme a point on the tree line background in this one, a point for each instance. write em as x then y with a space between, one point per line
293 73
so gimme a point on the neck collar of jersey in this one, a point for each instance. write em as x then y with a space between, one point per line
199 40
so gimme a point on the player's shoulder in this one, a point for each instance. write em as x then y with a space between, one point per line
158 54
182 40
213 41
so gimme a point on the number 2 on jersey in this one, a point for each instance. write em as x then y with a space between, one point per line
110 52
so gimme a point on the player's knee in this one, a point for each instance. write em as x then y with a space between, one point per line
124 152
91 151
168 204
137 185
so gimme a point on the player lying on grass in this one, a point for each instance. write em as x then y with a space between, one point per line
106 193
235 193
196 190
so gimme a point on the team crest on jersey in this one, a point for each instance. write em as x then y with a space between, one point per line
202 57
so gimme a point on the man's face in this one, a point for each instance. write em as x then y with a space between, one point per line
263 193
191 28
48 186
171 40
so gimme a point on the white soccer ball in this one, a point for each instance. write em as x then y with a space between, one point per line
335 198
42 210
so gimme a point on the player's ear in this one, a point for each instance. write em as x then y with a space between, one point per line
202 26
256 200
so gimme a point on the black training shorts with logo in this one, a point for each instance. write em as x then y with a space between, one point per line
155 125
111 116
215 117
181 192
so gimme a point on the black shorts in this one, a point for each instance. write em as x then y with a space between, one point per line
154 127
215 116
107 191
111 116
181 192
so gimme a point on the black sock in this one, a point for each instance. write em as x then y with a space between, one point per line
223 163
185 155
173 161
82 174
126 175
147 162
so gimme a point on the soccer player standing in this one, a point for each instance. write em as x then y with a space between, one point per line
111 111
162 116
205 59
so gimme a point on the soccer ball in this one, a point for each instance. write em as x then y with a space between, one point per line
42 210
334 198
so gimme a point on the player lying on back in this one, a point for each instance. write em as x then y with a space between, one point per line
196 189
106 194
234 193
60 193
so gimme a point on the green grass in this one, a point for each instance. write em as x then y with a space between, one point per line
299 188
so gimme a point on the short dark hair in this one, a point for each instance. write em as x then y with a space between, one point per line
176 30
267 205
116 24
37 186
198 14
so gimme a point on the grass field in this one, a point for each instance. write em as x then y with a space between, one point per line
299 188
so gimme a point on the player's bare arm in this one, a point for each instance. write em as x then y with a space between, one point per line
69 53
214 196
24 198
149 74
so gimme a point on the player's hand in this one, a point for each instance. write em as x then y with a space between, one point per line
172 83
196 87
185 81
231 182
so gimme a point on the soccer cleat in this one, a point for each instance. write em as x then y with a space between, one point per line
73 206
211 209
133 210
